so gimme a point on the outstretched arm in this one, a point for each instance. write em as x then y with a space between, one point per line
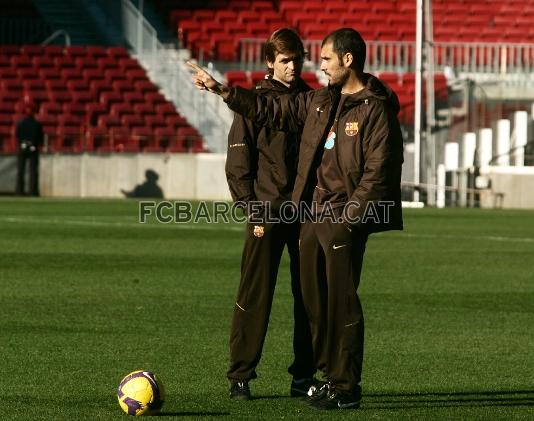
205 82
286 112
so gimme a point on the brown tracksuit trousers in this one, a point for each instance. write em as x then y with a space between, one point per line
259 270
331 261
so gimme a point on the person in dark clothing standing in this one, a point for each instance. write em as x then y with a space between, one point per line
261 167
350 162
29 133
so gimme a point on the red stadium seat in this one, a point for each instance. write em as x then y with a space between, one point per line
34 85
122 86
11 85
77 85
117 53
10 96
49 73
155 98
9 50
64 62
114 74
19 62
53 50
142 136
75 51
93 111
108 98
135 75
91 74
120 137
96 52
107 63
69 139
26 73
175 121
188 131
145 86
222 16
60 96
257 77
144 109
108 121
42 62
66 120
98 138
119 109
47 119
82 63
132 120
70 74
155 121
165 109
75 109
82 97
54 85
133 97
97 87
261 6
128 63
8 73
164 137
238 78
6 108
6 120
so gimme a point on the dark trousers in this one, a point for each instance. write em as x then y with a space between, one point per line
259 270
33 158
331 262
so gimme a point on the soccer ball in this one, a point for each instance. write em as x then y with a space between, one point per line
140 393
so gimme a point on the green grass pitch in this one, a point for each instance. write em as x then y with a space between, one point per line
88 295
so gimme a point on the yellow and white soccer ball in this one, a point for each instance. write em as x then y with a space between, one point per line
140 393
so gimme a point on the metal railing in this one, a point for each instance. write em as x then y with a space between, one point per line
56 34
167 69
399 56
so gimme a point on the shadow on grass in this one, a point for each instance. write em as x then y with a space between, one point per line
193 414
448 399
264 397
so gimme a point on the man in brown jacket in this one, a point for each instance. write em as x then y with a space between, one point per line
349 173
261 167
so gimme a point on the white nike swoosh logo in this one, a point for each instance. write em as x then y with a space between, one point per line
338 247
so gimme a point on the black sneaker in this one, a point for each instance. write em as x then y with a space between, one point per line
339 400
239 391
299 388
317 391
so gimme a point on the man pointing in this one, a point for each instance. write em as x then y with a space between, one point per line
349 169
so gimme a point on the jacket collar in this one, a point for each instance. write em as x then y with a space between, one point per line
270 84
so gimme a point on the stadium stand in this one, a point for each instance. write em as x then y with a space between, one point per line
403 85
218 26
89 99
250 79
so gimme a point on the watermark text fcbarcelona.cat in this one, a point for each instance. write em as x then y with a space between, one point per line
258 212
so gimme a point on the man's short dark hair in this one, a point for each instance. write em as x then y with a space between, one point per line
284 41
348 40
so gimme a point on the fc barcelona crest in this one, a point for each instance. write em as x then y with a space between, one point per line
258 231
351 128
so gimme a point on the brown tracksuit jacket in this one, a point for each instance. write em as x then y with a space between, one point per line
369 148
262 162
